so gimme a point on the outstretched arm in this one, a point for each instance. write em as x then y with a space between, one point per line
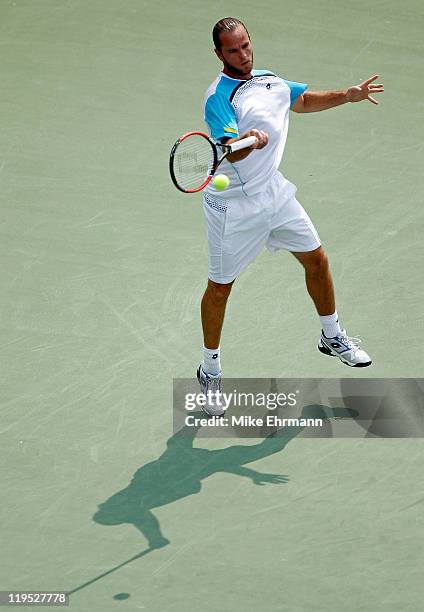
257 477
313 101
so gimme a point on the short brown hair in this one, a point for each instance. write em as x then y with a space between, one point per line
228 24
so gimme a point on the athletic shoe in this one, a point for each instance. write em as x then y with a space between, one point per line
209 386
346 349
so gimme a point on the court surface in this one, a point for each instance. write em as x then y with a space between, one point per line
103 267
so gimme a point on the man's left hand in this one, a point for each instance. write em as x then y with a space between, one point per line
363 91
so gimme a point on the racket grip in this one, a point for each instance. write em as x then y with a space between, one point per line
243 143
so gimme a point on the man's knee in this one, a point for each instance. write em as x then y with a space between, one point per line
319 263
219 292
314 262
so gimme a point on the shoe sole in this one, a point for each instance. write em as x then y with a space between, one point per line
326 351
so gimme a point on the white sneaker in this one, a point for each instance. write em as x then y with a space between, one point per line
346 349
210 386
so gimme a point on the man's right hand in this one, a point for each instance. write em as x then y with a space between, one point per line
261 138
261 142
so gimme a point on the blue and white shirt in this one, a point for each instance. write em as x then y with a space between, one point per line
233 106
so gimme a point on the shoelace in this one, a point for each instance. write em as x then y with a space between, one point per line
350 342
213 384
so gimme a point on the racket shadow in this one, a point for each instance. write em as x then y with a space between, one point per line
113 569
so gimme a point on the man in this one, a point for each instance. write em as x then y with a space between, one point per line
259 208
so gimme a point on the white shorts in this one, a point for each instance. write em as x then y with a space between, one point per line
239 228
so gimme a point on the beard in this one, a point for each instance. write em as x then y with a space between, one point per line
238 71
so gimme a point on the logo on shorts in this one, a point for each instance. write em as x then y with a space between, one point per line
268 85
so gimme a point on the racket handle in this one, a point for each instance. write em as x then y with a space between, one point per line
243 143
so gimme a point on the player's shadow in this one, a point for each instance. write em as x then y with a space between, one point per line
179 472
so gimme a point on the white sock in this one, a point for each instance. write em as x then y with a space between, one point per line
211 361
330 325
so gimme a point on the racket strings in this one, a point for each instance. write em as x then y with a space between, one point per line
193 162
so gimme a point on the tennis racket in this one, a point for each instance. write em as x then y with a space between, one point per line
195 158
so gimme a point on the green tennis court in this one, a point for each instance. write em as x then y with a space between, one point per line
103 266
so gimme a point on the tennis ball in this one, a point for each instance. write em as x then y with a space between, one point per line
221 182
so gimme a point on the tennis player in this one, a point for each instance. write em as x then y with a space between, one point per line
260 209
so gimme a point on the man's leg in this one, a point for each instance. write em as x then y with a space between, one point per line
238 230
319 281
334 341
214 302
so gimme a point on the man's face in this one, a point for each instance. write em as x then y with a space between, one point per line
236 53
